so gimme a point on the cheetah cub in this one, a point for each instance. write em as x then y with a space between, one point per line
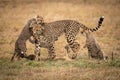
94 50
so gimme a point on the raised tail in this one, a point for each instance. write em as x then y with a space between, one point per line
98 26
93 29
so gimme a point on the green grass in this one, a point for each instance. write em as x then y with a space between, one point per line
81 63
15 69
114 63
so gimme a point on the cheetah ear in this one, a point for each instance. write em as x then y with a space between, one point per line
30 22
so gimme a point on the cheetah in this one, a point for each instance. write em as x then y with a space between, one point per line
94 50
53 30
20 44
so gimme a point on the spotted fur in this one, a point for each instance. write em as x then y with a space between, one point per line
20 44
94 50
51 31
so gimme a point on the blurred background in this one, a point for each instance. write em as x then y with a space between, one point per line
14 14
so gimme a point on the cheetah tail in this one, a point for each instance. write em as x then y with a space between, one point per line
99 24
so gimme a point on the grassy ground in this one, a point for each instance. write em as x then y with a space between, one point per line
15 13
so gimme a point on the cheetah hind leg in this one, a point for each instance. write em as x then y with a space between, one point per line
12 58
75 46
17 55
51 52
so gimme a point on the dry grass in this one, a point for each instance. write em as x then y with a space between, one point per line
15 13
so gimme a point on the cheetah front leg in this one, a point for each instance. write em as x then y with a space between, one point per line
37 51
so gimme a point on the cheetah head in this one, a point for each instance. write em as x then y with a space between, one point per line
36 26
